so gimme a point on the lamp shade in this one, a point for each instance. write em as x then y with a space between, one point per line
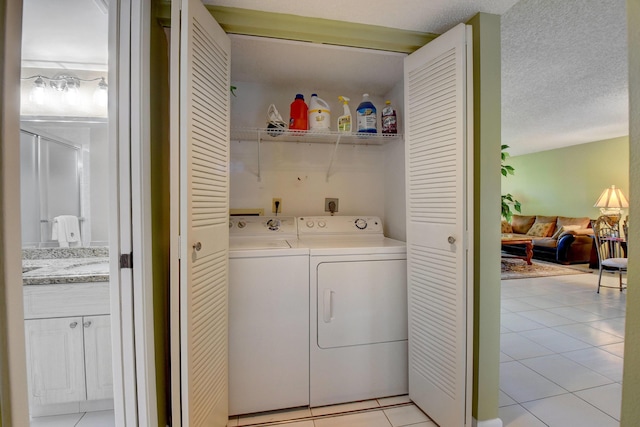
612 197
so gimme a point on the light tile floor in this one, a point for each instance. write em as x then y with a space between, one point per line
561 352
388 412
88 419
561 365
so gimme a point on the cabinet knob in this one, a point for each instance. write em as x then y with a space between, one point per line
73 325
197 246
87 323
451 240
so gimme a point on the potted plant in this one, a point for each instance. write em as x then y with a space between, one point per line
507 199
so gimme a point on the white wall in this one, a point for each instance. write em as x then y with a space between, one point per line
297 172
394 183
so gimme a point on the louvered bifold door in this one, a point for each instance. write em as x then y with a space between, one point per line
438 205
204 216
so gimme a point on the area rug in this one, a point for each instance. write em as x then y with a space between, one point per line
513 268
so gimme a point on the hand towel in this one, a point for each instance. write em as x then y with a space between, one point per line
66 229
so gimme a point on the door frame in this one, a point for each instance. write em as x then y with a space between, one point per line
131 290
130 218
14 404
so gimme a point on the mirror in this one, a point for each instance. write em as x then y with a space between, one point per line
64 169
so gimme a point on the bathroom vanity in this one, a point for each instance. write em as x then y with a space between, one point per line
67 330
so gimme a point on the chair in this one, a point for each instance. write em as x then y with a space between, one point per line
611 254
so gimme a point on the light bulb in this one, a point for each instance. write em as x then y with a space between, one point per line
72 93
101 94
37 95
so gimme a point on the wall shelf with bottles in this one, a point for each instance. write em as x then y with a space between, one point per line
261 135
314 137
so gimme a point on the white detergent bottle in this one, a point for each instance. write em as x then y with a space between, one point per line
344 121
319 114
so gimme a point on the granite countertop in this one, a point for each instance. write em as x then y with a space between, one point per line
65 265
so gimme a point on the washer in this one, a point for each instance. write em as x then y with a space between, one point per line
358 309
268 315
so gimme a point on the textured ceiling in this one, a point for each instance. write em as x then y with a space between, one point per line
564 62
564 73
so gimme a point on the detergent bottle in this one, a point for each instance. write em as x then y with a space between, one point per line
319 114
298 119
389 119
367 116
344 121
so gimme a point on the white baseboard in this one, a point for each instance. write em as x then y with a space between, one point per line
495 422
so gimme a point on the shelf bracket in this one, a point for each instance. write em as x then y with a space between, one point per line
259 157
333 157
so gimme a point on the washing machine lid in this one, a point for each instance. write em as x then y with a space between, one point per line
260 247
353 245
244 244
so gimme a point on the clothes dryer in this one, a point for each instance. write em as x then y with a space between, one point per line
268 315
358 309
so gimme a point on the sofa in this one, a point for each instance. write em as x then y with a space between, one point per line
565 240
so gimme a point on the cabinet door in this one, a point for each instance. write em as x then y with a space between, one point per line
201 178
55 360
439 158
97 356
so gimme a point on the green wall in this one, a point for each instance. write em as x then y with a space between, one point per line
631 375
568 181
486 147
159 146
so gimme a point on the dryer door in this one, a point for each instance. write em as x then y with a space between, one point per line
361 302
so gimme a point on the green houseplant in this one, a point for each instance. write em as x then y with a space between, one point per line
507 199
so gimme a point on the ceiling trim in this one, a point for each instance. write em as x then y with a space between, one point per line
249 22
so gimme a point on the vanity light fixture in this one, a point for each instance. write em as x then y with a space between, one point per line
69 85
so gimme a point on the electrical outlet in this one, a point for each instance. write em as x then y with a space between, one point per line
331 204
273 205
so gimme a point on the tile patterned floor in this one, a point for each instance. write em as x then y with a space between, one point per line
561 365
561 352
389 412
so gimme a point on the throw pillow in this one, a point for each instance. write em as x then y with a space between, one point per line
522 223
505 227
540 229
564 229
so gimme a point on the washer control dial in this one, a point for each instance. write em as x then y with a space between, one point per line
310 224
274 224
322 224
242 224
361 223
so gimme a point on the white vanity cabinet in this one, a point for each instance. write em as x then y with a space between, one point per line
68 356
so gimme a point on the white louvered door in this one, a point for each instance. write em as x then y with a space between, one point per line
439 221
204 82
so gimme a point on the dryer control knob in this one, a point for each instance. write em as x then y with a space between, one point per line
310 224
322 224
361 223
273 224
242 224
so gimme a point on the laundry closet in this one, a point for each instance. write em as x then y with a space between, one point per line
366 174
